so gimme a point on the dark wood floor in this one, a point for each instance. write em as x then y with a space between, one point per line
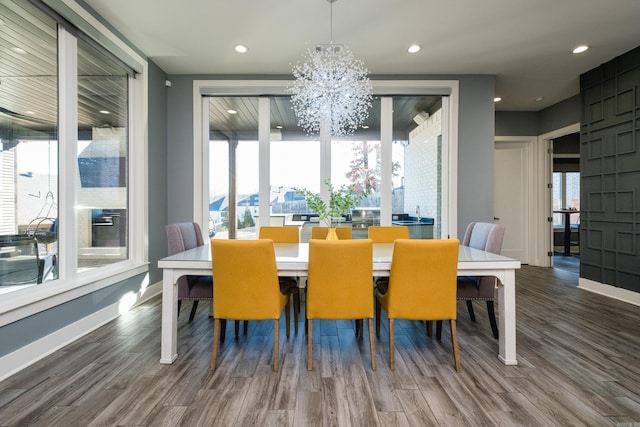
578 352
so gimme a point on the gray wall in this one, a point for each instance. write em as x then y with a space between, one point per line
475 146
559 115
158 166
25 331
533 123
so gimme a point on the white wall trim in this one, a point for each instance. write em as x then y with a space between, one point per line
39 349
610 291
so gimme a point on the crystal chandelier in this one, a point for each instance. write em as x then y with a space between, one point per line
331 90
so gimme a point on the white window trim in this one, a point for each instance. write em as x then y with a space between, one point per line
278 87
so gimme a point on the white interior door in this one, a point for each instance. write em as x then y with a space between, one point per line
511 197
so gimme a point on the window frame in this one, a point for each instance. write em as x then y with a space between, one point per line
385 88
70 283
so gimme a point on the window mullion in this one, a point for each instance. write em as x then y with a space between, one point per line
68 146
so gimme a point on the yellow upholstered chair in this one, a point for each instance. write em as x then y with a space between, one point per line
422 286
280 234
246 287
344 233
286 234
339 285
387 233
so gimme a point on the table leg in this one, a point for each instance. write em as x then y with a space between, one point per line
169 334
507 307
567 234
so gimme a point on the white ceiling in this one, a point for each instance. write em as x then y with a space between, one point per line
526 43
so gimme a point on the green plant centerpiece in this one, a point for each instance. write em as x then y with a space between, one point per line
340 201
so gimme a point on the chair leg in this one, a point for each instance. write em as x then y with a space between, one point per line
470 309
296 310
392 359
245 327
287 317
223 329
276 344
438 330
377 318
372 345
454 344
216 340
429 328
359 328
492 319
236 327
309 330
179 305
194 307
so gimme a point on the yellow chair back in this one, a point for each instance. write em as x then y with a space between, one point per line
282 234
422 281
339 282
344 233
246 284
387 233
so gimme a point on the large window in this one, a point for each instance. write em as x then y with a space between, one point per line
418 166
64 154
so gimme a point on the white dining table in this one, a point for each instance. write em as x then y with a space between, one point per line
292 260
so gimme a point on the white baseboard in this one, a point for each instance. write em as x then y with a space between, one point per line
610 291
34 351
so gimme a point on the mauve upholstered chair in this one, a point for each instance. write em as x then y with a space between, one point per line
487 237
180 237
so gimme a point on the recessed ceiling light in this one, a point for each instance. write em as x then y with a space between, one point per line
19 50
580 49
232 112
365 126
497 99
279 127
539 98
30 112
105 111
414 48
241 49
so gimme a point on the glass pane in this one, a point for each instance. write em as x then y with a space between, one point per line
28 147
573 195
358 164
294 164
557 201
418 168
247 186
233 157
102 159
219 189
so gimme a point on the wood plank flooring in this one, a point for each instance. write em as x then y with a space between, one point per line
578 353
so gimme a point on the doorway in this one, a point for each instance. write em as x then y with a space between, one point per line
547 239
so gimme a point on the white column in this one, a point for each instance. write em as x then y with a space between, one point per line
386 141
264 174
325 159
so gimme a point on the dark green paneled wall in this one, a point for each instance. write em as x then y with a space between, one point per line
610 173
